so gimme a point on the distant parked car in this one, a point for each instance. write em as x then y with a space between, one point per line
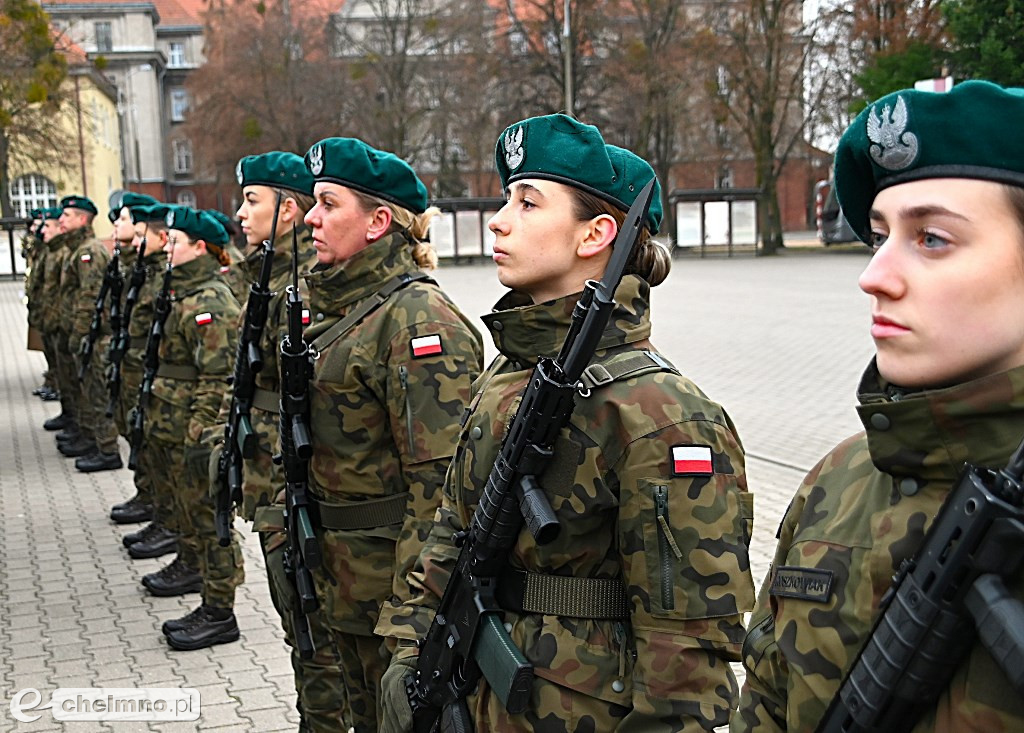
833 227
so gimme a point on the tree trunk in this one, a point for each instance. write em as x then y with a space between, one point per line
769 213
6 209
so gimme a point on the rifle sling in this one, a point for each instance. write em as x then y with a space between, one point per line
344 516
182 372
559 595
137 342
266 400
364 309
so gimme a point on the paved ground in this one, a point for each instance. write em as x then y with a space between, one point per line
779 341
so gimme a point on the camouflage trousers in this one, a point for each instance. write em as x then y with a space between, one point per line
64 371
364 660
320 690
130 380
92 400
193 516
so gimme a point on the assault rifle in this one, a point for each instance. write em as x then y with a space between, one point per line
113 284
467 638
239 437
302 553
121 340
151 362
953 587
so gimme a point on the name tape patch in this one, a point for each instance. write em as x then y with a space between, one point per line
692 460
426 345
807 584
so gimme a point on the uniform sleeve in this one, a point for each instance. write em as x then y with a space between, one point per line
764 698
77 285
214 332
431 370
684 529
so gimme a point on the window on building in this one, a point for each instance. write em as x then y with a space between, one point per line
186 198
182 156
179 105
104 38
176 54
31 192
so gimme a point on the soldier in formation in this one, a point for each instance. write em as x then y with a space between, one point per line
934 183
45 228
649 575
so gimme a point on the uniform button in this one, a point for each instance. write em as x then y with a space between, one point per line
879 421
618 686
497 325
476 433
319 316
909 486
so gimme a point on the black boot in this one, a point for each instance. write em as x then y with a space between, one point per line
214 626
133 511
57 423
178 624
176 579
50 395
139 535
99 461
71 432
160 542
76 448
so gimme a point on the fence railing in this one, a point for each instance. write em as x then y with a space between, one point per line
12 263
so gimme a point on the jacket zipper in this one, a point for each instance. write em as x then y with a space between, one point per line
667 547
750 644
403 376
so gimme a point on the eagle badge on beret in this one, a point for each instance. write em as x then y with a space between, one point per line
238 172
316 160
514 153
894 148
170 218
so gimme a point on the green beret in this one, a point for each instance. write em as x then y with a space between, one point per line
51 212
354 164
35 214
911 135
78 202
132 200
559 148
196 224
226 222
155 212
275 169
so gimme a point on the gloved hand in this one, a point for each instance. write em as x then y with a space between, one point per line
197 461
396 712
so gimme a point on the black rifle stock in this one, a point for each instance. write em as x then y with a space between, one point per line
151 362
121 339
467 638
953 587
113 282
302 553
239 437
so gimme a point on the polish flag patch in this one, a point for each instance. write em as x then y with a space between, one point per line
224 269
204 318
305 317
691 460
86 258
426 345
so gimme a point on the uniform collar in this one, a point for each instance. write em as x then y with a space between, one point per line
194 273
333 288
930 434
523 331
282 256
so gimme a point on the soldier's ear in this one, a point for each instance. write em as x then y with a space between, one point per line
598 235
289 210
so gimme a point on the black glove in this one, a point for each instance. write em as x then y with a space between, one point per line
396 712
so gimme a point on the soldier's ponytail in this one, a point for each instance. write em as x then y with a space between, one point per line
415 227
219 253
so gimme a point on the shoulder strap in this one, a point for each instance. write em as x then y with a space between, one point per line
364 309
624 365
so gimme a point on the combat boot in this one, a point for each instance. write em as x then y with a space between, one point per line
179 624
59 422
133 511
81 446
213 626
71 432
50 395
161 541
99 461
139 535
176 579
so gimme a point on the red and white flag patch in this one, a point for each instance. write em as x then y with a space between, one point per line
204 318
87 258
691 460
305 316
225 269
426 345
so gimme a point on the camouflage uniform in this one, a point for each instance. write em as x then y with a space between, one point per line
200 336
857 515
34 296
384 424
662 665
52 317
318 679
80 283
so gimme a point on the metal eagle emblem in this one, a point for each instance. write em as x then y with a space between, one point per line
238 171
170 218
316 160
514 153
894 148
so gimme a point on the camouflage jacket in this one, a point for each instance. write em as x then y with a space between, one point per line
80 282
857 515
614 486
385 420
202 333
54 317
236 274
34 282
143 312
259 489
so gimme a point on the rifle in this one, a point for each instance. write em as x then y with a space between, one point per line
239 437
113 282
151 361
302 553
466 638
953 587
121 339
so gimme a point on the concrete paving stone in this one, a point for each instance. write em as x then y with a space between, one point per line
268 720
109 639
270 650
152 657
22 651
101 625
210 675
253 637
25 665
27 634
21 596
250 680
256 699
214 695
161 676
104 670
235 662
62 669
76 652
69 636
